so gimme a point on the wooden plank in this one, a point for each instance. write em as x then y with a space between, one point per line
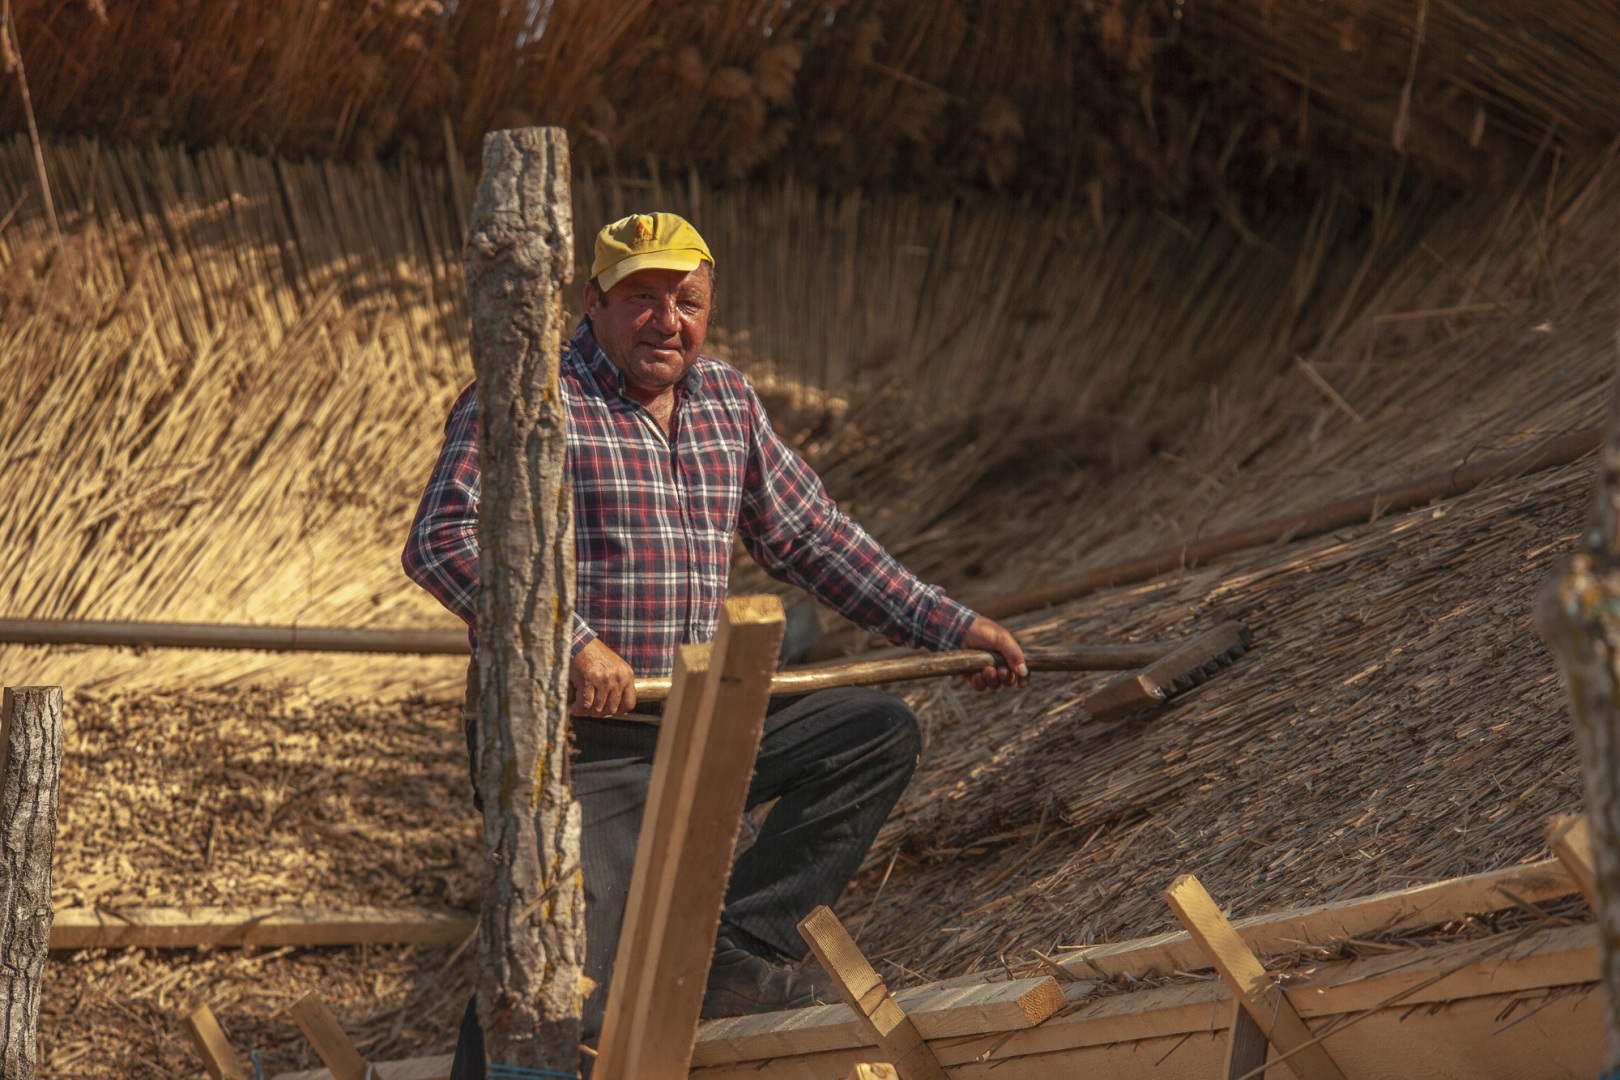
217 1053
519 253
30 771
1570 837
188 928
1501 1037
873 1070
650 1036
1246 1045
940 1012
1246 977
423 1068
331 1042
671 760
864 991
1322 924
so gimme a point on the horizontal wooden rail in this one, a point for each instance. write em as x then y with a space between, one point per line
271 927
232 636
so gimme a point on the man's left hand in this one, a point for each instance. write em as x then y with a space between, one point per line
992 636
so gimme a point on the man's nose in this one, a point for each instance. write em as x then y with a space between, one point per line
667 315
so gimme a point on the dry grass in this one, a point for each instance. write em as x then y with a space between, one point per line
227 387
1144 102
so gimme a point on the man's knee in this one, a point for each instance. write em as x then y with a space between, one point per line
886 724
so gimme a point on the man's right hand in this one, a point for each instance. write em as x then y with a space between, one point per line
602 683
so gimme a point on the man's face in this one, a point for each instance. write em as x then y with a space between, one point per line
652 324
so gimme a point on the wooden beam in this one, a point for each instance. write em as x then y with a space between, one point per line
1570 837
940 1012
218 1056
1246 977
1530 969
1323 924
672 757
1247 1046
30 770
272 927
520 251
865 992
687 839
423 1068
331 1042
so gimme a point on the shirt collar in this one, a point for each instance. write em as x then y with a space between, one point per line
606 373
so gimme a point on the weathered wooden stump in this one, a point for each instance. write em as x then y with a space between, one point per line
1579 615
30 763
520 251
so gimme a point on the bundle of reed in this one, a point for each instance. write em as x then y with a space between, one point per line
232 376
1137 101
1398 719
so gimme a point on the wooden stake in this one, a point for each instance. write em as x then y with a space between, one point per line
218 1056
1570 838
701 771
1242 972
1579 616
30 767
865 992
331 1042
520 247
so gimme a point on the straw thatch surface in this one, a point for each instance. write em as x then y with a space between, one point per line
1233 101
229 382
1396 722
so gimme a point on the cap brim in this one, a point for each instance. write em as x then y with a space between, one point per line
685 260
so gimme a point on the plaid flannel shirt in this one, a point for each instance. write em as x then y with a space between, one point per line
653 522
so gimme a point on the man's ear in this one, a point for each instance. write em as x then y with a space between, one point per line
593 295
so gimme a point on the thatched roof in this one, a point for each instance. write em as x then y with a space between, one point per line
1233 102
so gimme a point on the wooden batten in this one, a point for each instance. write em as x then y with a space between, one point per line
267 927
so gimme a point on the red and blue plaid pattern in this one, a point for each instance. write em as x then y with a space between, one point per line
654 519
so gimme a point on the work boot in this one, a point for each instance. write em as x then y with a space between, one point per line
742 982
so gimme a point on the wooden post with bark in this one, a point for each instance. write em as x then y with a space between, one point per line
520 251
30 764
1579 616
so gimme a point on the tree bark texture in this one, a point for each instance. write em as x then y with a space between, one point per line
520 250
30 763
1579 616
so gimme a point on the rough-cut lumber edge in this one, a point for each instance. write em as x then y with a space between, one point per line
1286 931
519 251
217 1053
865 992
423 1068
939 1011
30 771
873 1070
1246 977
189 928
1570 838
671 759
1246 1045
652 1035
331 1042
1516 967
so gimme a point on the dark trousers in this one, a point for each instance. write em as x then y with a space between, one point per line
837 760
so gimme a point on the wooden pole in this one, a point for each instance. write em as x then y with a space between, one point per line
520 251
1579 616
30 764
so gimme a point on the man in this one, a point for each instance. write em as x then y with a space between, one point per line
669 455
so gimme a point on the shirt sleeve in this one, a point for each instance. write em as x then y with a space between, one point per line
441 552
796 532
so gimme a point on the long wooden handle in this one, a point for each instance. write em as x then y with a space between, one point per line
930 665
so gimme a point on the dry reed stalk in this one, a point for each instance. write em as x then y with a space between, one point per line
236 375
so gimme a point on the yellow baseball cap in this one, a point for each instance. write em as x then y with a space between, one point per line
647 242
